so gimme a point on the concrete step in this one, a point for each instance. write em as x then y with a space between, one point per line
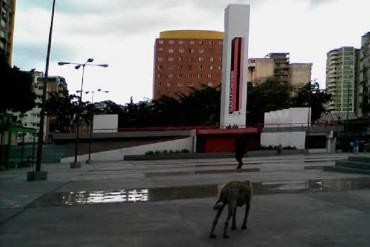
353 164
365 159
346 170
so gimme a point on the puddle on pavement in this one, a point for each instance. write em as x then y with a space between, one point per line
196 191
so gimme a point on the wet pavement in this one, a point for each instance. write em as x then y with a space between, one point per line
169 203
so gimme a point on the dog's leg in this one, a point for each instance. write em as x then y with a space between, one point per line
231 208
247 206
219 211
233 225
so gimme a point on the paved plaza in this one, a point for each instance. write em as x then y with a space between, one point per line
169 203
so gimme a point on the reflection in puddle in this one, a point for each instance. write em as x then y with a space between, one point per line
196 191
93 197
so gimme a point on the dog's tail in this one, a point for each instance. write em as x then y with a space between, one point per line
219 204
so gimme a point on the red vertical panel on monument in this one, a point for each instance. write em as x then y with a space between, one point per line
237 51
240 81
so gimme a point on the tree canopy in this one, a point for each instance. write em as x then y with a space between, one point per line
267 96
16 92
199 107
310 95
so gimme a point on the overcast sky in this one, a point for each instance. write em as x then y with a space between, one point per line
122 34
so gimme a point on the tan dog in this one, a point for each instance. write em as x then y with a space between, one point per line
234 194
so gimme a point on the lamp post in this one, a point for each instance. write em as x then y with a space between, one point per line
38 174
92 121
88 62
308 117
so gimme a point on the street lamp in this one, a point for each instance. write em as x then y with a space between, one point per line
92 121
309 115
88 62
38 174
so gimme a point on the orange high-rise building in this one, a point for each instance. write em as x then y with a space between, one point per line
185 59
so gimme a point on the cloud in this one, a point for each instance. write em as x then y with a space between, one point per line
29 54
315 3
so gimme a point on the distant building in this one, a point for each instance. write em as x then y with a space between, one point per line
192 58
185 59
281 66
260 69
277 65
7 28
31 118
363 85
299 74
340 78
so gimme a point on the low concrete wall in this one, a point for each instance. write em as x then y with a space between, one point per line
118 154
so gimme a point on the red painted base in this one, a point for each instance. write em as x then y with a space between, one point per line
223 140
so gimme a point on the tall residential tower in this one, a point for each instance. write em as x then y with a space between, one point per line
363 87
341 78
7 28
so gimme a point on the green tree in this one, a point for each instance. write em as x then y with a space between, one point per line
62 108
201 106
310 95
267 96
16 92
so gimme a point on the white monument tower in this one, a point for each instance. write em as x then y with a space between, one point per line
234 66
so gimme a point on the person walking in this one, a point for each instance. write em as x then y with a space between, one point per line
240 149
356 144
